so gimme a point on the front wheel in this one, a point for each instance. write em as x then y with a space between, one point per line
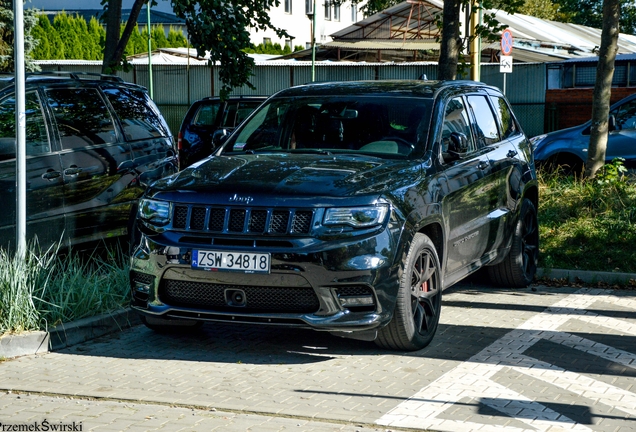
419 300
517 270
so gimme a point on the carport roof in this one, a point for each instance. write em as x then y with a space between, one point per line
411 26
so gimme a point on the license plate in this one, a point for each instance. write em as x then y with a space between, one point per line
245 262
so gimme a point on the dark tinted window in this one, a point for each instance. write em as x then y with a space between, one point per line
134 109
37 141
507 122
392 126
456 120
236 112
82 117
206 114
486 127
626 116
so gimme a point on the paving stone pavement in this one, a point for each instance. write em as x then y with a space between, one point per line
546 359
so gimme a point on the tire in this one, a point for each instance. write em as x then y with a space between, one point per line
517 270
419 300
162 325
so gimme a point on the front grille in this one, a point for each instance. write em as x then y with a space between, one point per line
354 291
140 284
235 220
210 296
142 278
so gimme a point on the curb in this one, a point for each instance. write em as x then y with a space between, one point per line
65 335
590 277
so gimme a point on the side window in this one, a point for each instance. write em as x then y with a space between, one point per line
82 117
37 141
486 126
206 114
626 116
245 109
456 120
229 115
504 115
134 109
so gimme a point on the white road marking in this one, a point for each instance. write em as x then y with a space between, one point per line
473 378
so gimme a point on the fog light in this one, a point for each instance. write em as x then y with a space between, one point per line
356 301
142 288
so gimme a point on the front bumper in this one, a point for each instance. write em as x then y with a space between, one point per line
338 286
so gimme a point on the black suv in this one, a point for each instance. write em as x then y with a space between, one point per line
345 207
93 143
207 117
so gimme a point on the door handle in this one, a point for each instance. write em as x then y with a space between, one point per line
483 165
72 171
51 174
511 153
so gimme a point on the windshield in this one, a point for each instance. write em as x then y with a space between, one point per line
381 126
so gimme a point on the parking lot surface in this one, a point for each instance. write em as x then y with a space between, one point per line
539 359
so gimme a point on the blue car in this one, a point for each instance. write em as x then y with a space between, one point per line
568 147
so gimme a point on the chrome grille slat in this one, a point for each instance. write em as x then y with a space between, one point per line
241 220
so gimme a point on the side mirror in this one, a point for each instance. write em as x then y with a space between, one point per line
219 137
611 123
458 144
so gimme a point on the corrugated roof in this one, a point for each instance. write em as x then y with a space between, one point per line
413 22
385 44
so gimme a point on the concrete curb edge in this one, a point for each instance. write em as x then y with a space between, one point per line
65 335
584 276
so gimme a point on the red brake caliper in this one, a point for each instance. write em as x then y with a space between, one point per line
425 286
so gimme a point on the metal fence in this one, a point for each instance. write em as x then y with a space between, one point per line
176 86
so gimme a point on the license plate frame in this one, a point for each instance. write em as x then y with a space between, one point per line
231 261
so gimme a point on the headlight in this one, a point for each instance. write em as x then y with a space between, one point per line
358 217
534 141
155 212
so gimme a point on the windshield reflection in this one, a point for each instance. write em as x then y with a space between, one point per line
379 126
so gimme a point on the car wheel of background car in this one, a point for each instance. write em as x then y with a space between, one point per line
419 300
518 268
163 325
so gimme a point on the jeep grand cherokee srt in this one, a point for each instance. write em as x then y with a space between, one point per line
345 207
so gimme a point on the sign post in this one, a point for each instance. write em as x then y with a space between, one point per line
505 59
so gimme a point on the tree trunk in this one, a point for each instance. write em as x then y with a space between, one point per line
603 87
113 23
451 42
115 45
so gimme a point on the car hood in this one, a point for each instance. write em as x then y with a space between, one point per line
291 175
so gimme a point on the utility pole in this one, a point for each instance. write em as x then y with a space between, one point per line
150 50
475 41
20 129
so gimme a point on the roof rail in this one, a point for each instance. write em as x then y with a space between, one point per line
71 75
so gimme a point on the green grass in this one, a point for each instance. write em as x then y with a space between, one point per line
48 288
587 224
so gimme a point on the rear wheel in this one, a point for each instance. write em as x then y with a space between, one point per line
419 300
163 325
519 267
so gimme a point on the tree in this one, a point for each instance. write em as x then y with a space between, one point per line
115 42
452 44
603 87
544 9
221 28
7 38
372 7
584 12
